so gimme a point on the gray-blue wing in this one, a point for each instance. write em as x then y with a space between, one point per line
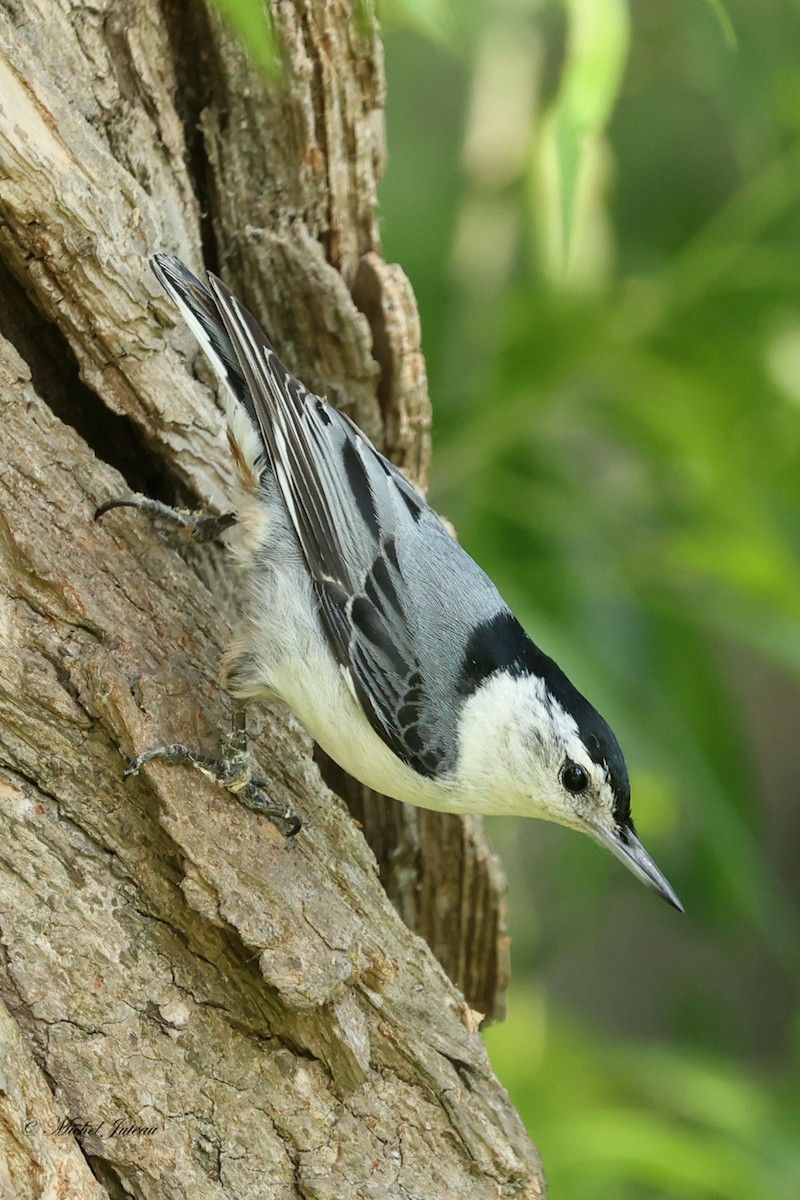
372 637
398 598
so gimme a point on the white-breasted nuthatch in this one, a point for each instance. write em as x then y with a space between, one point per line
366 617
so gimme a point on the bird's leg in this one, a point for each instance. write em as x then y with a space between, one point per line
232 772
194 526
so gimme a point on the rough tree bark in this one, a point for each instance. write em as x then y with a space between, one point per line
165 956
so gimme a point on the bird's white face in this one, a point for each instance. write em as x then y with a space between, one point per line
552 767
526 753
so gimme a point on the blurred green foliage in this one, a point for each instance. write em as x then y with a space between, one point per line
638 1121
598 204
251 21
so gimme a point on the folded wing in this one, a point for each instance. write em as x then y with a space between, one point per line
380 561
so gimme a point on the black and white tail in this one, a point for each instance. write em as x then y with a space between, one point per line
199 310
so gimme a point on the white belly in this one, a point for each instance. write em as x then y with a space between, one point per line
318 694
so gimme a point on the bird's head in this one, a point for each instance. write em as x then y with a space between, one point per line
553 756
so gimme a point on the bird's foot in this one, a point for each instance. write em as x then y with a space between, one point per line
231 772
195 526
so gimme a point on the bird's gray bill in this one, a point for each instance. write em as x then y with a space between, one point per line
630 851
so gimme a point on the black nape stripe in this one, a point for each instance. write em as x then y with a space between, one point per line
501 644
497 644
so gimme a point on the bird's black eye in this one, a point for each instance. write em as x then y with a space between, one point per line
574 777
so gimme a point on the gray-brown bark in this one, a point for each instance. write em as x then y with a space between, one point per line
167 957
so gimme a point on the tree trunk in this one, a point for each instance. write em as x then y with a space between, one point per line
254 1005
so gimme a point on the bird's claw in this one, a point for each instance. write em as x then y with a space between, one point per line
195 526
230 774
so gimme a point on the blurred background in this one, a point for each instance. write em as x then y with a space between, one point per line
598 204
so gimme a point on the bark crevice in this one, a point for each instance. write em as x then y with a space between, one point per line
167 956
55 373
188 29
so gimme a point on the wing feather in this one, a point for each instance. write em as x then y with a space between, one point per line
397 597
330 478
